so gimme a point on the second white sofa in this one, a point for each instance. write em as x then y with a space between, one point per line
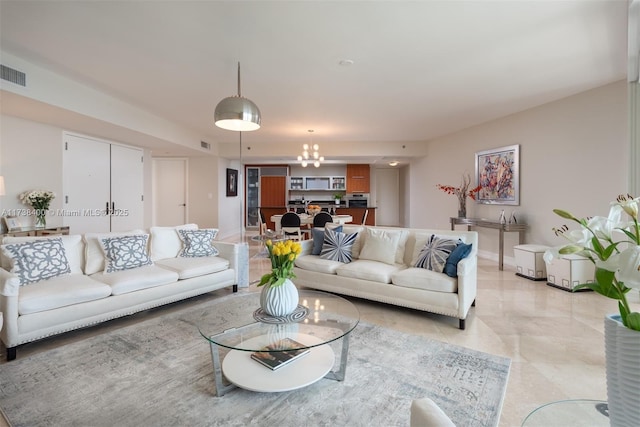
383 268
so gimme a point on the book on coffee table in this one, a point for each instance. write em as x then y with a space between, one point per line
277 359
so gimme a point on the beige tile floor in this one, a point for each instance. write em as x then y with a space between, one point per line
554 338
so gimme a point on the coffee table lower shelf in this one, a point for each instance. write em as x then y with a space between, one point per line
246 373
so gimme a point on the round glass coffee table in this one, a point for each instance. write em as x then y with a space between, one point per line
320 319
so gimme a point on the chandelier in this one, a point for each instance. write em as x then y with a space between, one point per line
310 153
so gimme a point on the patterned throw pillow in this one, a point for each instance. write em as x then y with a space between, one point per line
37 260
197 243
435 252
337 246
125 252
318 238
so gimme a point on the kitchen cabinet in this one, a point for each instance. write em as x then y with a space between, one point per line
317 183
358 177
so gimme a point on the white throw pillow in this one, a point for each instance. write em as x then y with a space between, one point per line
380 245
165 242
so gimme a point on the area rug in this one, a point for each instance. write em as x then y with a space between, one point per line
158 372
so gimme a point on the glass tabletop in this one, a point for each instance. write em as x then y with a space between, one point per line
324 316
567 413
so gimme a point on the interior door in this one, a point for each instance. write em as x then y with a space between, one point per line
169 192
388 197
86 170
127 178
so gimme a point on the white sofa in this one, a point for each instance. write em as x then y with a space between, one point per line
86 294
391 277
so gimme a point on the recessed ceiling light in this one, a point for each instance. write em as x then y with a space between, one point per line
394 163
346 62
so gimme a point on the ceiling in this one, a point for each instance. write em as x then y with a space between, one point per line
420 69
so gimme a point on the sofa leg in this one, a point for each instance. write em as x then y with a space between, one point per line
462 325
473 304
11 353
235 288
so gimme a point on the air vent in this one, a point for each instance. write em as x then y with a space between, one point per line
205 145
13 76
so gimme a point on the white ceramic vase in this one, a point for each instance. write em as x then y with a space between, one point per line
622 350
279 301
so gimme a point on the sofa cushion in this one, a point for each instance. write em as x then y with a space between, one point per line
194 266
73 249
94 254
357 244
380 245
435 252
60 292
198 243
37 260
135 279
369 270
165 242
420 278
317 264
125 252
459 253
318 238
337 246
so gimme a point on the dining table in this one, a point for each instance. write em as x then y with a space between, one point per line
306 219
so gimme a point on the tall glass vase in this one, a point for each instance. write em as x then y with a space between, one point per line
41 220
462 207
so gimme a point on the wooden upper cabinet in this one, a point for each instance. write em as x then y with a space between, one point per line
358 178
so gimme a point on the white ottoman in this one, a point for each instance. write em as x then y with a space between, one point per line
529 261
570 271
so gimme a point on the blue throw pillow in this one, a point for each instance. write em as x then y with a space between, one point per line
460 252
318 238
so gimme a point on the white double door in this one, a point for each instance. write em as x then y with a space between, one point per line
103 186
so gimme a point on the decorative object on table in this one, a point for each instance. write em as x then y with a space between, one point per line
497 171
313 209
279 297
613 245
512 218
11 223
503 219
337 197
462 193
39 200
274 359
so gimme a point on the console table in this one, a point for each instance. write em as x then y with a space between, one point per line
33 231
487 223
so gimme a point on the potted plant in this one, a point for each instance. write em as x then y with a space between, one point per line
279 297
613 245
337 197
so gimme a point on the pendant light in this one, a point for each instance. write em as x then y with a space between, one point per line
237 113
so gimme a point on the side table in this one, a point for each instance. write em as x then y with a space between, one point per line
568 413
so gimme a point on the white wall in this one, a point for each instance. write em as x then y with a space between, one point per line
230 209
573 155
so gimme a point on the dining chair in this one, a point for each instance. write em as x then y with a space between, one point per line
262 222
290 226
321 219
364 217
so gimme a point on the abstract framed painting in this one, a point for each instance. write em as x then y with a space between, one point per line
232 182
498 172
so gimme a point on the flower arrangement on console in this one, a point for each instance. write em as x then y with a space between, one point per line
39 200
462 193
613 245
282 256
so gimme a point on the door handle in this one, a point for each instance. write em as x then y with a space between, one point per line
183 204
